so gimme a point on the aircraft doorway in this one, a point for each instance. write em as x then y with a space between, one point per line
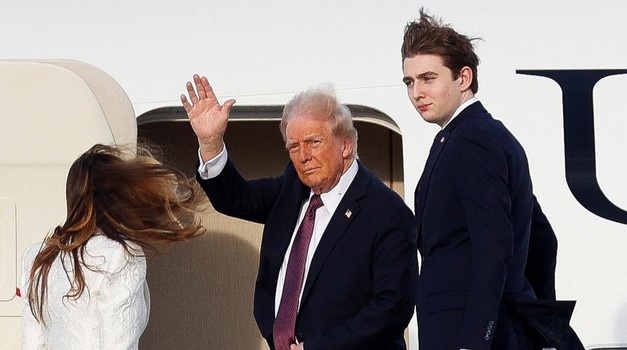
202 290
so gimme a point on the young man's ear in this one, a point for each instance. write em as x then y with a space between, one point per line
466 78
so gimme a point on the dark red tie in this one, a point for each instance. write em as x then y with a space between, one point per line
285 322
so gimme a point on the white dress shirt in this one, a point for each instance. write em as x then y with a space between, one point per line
460 109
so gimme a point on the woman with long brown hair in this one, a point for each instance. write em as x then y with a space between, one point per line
85 286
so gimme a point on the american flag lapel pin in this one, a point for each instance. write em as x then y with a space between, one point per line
348 213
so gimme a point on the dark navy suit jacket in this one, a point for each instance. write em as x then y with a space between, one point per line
473 207
542 257
359 292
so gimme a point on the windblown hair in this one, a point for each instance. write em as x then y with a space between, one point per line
321 101
429 36
127 196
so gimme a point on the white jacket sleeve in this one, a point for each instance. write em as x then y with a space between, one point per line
123 301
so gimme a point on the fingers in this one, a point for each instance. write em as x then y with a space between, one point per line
200 87
186 105
200 90
191 92
226 107
207 90
193 96
204 88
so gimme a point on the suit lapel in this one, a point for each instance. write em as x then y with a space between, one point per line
346 212
423 184
439 142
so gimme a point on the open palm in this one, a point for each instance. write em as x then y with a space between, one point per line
207 117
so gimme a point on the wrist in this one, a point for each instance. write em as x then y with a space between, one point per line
209 149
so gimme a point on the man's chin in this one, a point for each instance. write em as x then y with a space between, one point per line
309 181
429 119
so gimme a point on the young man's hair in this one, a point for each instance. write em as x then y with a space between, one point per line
430 36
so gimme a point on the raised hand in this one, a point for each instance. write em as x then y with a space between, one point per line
207 117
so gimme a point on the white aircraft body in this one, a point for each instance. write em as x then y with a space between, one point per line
75 73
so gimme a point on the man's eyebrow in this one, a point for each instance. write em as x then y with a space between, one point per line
290 143
427 74
313 137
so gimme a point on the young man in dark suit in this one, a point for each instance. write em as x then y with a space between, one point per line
352 284
473 206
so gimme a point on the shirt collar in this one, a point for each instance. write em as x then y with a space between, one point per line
332 198
460 109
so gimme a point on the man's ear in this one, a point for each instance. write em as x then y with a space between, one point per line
347 150
466 78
